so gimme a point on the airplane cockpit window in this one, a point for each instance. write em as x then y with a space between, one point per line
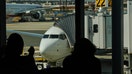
45 36
54 36
62 36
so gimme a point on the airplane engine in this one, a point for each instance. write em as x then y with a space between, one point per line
36 14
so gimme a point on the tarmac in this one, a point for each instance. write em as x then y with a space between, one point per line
29 25
33 27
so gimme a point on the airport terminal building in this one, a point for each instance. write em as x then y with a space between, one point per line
53 2
44 1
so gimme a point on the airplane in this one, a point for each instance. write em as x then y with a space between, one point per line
55 44
23 10
58 41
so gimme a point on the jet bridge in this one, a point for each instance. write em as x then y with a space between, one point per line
97 29
67 24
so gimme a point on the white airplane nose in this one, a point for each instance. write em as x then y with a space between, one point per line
53 45
45 45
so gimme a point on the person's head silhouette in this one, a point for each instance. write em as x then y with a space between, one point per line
84 46
82 59
15 44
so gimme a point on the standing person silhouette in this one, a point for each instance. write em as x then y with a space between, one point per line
82 59
13 61
31 61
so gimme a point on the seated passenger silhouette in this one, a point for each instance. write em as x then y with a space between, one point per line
82 59
15 63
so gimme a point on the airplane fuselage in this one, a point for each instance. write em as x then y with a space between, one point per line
54 45
12 9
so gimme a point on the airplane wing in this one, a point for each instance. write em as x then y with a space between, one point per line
26 33
42 10
34 13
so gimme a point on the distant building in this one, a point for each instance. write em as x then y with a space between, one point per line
38 0
47 0
43 1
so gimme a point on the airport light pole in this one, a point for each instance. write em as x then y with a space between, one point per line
66 7
61 5
2 25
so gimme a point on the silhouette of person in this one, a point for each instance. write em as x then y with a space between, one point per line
13 61
31 51
33 68
82 59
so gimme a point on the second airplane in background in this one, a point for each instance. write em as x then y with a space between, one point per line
24 11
